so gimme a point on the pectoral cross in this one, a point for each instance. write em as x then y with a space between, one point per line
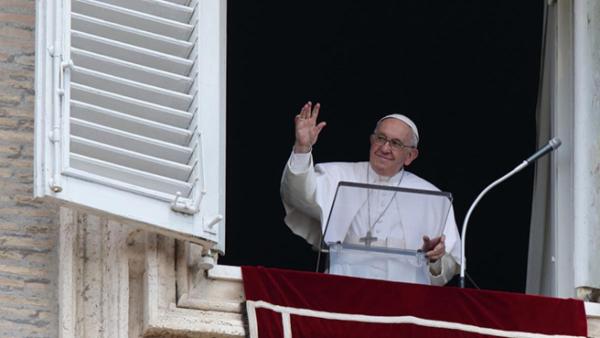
368 239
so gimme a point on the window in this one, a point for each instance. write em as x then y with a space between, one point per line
130 111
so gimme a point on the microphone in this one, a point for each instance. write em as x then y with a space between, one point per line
553 144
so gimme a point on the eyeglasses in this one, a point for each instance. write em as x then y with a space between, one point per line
395 143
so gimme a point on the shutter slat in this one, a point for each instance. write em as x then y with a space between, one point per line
129 141
180 2
131 106
160 8
129 158
130 35
128 177
140 20
132 124
123 51
131 71
130 88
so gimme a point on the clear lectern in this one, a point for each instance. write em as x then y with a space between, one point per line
377 231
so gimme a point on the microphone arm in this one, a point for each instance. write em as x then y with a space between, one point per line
552 145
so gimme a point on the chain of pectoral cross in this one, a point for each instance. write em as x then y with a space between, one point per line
369 238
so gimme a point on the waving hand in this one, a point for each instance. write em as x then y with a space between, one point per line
307 129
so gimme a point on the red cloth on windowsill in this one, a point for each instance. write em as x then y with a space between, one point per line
414 310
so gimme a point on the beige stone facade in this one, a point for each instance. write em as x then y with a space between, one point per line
28 228
116 281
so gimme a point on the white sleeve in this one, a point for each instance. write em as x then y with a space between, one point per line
298 193
442 270
299 162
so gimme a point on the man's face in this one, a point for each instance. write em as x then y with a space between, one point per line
385 159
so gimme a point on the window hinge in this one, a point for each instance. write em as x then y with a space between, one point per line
55 135
208 260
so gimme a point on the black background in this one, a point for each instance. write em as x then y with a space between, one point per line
466 72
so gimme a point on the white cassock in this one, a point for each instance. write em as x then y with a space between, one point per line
308 193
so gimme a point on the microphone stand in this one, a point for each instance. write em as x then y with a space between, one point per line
466 222
553 144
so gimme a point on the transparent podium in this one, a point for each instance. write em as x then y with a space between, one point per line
377 231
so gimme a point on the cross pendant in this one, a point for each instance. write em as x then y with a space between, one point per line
368 239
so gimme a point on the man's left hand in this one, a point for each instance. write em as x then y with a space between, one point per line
434 248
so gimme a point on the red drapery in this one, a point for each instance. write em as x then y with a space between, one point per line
283 303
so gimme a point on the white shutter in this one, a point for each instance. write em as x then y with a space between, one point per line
130 110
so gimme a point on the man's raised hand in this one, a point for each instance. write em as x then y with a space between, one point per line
307 129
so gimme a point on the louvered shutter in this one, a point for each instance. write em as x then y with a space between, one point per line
134 113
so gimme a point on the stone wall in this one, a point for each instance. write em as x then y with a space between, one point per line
28 228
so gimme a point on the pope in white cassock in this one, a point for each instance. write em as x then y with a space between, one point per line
380 217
